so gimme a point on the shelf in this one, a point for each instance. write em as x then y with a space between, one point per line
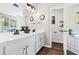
61 30
60 26
61 21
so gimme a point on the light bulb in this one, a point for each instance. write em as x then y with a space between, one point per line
34 10
28 7
2 20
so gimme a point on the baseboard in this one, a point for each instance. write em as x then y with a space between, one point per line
47 46
58 42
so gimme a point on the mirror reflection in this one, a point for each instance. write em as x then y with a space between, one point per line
7 23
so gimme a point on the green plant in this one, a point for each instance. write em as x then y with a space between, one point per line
70 31
24 28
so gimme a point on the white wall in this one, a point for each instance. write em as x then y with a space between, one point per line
58 36
20 21
73 14
32 25
44 9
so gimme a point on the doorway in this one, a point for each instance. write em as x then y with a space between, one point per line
56 28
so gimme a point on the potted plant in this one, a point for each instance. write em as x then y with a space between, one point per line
25 29
22 28
70 31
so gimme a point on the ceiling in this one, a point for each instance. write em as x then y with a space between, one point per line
9 8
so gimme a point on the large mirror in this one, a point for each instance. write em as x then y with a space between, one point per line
7 23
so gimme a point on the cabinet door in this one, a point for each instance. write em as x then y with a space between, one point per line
1 50
42 39
71 44
15 47
13 50
37 43
31 45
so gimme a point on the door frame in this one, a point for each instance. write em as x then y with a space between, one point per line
64 48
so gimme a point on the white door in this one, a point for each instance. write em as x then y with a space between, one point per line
57 27
65 18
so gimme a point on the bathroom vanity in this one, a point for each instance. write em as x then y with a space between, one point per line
73 43
21 44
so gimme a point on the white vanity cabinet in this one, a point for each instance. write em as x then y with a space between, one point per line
39 41
31 45
42 39
21 46
16 47
27 44
1 50
70 43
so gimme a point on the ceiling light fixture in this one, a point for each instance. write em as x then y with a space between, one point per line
30 8
16 5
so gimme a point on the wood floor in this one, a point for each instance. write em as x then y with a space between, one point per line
70 53
57 49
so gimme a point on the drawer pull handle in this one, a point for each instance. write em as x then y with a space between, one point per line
26 49
3 50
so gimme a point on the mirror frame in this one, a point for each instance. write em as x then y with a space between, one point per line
31 19
42 17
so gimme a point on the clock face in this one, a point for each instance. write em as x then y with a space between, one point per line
31 19
42 17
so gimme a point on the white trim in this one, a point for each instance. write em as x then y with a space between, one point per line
61 7
73 4
57 42
64 48
47 46
50 29
55 8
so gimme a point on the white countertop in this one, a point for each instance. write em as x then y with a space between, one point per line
8 36
76 35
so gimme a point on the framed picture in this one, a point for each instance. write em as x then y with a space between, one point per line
53 19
